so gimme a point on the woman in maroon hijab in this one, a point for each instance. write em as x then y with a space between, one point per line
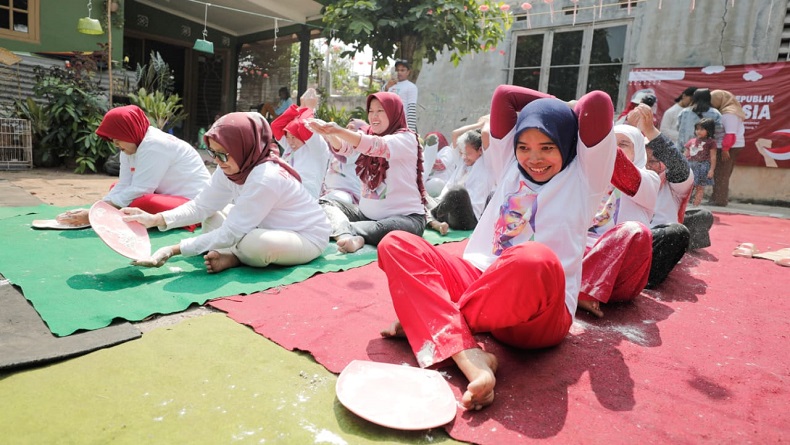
158 171
390 169
255 211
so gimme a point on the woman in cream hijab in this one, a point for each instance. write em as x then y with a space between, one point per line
732 117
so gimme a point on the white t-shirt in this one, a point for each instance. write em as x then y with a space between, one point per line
398 193
429 154
341 175
670 196
557 213
617 207
408 95
476 179
162 164
310 161
270 198
734 124
669 123
451 159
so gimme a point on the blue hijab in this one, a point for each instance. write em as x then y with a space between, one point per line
555 119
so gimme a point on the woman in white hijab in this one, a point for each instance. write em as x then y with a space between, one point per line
616 263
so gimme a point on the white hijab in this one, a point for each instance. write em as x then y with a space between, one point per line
636 137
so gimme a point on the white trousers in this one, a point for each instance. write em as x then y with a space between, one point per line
261 247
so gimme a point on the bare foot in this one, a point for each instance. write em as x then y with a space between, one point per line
591 306
441 227
479 368
350 244
217 262
393 331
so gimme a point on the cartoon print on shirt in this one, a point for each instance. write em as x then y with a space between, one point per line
518 209
696 148
335 166
608 212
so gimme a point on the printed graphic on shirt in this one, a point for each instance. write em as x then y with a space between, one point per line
336 166
516 222
379 193
608 212
696 148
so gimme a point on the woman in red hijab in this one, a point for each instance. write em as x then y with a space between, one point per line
306 152
255 211
390 169
158 171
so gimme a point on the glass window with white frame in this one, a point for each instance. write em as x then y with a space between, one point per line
571 61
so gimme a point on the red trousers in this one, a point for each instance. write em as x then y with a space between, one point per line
616 268
441 300
154 203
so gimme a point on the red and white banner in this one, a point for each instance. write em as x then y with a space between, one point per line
763 91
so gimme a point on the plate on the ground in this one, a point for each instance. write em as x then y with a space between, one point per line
396 396
54 224
130 239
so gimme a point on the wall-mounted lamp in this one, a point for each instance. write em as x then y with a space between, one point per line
88 25
204 45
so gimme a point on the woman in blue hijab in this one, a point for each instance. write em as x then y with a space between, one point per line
520 274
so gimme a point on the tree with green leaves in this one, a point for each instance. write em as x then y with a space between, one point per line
417 29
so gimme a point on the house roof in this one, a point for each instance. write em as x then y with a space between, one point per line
241 17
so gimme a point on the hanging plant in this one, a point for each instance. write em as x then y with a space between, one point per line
116 13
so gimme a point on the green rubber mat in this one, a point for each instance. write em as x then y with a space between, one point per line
76 282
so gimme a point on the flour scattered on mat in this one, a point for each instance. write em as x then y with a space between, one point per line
244 433
634 334
176 269
324 436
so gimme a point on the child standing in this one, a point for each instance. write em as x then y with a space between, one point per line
701 153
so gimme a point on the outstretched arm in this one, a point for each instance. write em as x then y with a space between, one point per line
334 134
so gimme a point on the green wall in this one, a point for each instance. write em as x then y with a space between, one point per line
58 29
169 27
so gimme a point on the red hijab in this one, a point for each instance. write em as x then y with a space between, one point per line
297 126
248 138
128 124
373 170
442 140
